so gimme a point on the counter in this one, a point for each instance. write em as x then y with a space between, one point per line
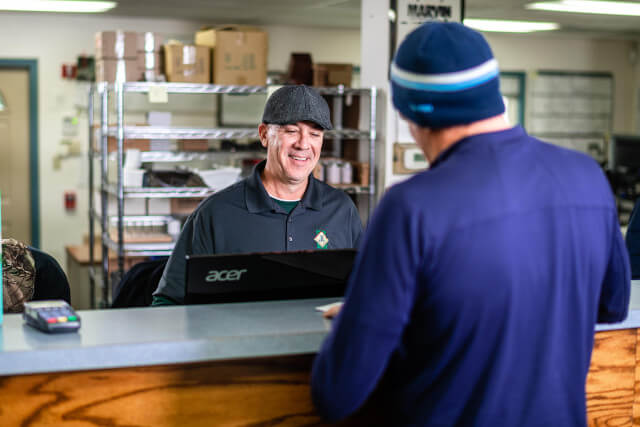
161 335
231 364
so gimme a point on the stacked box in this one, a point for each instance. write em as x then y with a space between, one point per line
187 63
332 74
239 54
136 144
193 144
184 206
117 70
116 56
148 56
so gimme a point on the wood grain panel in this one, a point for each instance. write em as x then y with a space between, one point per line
636 394
612 379
257 392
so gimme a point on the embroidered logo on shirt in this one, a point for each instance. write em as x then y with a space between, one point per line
321 239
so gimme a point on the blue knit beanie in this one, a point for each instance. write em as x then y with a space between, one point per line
444 74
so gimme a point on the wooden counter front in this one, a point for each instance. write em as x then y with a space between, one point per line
268 391
613 383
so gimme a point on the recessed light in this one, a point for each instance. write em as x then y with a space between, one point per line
504 26
57 6
589 6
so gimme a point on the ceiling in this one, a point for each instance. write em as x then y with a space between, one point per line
346 13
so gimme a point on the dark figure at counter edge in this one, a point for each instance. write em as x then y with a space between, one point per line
280 206
478 283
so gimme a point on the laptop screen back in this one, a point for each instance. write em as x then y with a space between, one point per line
267 276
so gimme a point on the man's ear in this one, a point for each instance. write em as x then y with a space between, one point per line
262 132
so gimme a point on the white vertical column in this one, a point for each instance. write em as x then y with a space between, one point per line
374 71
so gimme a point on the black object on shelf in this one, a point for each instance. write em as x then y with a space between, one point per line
300 69
86 68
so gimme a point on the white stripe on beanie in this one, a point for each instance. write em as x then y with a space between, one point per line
482 72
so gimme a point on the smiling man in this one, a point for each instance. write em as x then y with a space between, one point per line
280 206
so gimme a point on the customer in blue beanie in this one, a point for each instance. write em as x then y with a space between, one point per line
475 292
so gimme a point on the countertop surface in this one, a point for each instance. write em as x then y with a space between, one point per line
132 337
160 335
633 320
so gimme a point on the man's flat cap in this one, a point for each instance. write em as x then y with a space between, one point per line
292 104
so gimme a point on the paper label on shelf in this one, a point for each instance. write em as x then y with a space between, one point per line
158 95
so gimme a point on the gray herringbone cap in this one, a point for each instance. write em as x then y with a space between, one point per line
292 104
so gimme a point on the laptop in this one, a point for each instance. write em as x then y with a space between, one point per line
267 276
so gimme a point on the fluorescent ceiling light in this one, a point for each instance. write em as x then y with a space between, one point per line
589 6
502 26
57 6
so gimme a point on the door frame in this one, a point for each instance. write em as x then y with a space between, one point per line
31 65
522 88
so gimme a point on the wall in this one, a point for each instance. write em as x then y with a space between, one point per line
56 39
572 53
528 53
325 45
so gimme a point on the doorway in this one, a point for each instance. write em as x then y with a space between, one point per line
19 150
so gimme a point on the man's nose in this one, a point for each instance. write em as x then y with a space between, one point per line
302 142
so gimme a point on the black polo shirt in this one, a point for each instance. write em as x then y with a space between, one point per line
243 218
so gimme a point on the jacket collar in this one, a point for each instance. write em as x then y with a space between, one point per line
258 200
491 138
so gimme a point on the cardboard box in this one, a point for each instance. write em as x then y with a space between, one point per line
121 70
361 173
184 206
149 42
193 144
239 54
149 66
325 74
138 144
116 44
149 61
187 63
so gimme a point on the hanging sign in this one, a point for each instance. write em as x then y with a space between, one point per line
412 13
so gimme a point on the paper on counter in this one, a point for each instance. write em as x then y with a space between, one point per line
327 307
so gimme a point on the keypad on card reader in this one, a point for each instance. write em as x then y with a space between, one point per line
51 316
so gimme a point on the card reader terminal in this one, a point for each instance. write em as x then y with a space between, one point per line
51 316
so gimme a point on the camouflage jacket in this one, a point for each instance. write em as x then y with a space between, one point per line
18 275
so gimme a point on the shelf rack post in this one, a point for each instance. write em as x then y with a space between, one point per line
338 104
104 129
373 93
119 88
92 281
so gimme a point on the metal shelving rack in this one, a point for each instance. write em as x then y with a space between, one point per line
103 92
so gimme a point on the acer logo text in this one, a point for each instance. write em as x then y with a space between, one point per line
224 275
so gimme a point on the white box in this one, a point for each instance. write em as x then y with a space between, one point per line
159 118
219 178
